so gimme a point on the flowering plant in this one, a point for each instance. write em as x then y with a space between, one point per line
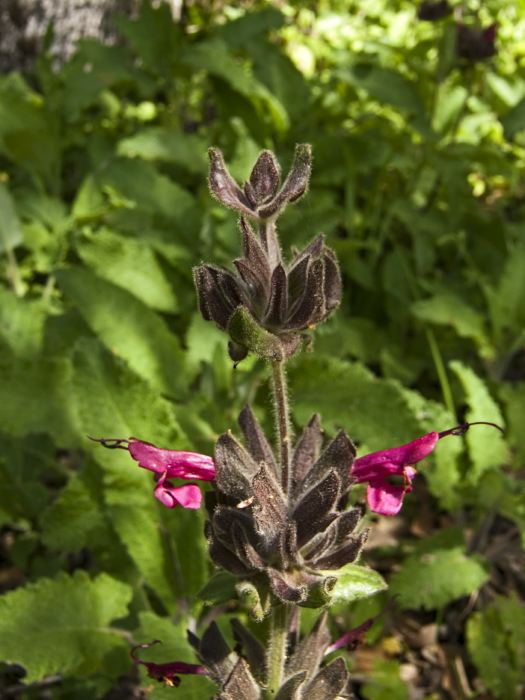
278 520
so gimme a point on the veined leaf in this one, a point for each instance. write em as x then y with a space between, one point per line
349 396
356 582
62 625
486 445
496 643
431 580
164 144
127 327
448 309
112 401
10 228
131 264
76 507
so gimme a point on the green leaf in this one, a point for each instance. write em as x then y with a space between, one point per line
507 299
146 191
349 396
10 228
22 382
449 309
388 85
62 625
131 264
433 579
127 327
245 331
485 444
167 144
214 57
219 589
450 102
24 465
22 323
93 68
77 508
356 582
111 400
156 38
513 397
29 132
514 120
496 643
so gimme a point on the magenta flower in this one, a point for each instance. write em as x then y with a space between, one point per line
378 468
166 465
167 673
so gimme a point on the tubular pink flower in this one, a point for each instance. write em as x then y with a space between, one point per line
376 468
187 496
175 463
166 465
167 673
352 639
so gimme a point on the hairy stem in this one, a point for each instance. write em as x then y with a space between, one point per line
282 415
277 649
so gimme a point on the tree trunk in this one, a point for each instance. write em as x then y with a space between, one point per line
23 24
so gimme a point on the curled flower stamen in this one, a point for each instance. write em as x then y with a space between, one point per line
462 428
111 443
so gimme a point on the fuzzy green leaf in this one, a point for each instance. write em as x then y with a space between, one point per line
77 507
22 382
127 327
112 401
165 144
513 397
21 323
349 396
486 445
245 331
496 643
433 579
450 310
356 582
507 299
62 625
131 264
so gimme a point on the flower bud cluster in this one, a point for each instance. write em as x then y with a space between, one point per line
287 543
266 303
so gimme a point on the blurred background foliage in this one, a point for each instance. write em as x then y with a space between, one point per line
418 184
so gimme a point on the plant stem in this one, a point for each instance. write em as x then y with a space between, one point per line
280 618
282 415
441 372
277 648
